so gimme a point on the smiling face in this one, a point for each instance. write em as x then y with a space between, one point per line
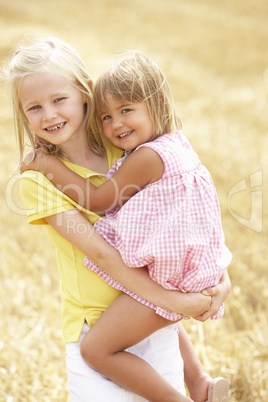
127 125
54 108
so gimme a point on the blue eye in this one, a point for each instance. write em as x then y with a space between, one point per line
59 99
126 110
106 118
35 107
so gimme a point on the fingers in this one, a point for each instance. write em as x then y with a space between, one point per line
26 162
212 310
199 318
47 146
204 317
213 291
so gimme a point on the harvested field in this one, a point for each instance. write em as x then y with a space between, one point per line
215 57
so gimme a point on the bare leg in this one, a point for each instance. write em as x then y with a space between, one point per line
125 323
196 378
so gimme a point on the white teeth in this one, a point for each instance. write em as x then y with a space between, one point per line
55 127
123 135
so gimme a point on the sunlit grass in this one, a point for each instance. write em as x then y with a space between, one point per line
215 57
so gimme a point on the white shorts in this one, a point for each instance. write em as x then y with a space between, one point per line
160 350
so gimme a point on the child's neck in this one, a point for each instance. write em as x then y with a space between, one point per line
82 155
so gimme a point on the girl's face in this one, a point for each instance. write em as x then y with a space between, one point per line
127 125
54 108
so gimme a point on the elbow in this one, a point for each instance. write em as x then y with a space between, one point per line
99 255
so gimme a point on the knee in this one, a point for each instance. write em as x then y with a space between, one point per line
88 352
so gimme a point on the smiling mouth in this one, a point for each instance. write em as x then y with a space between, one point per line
55 128
125 134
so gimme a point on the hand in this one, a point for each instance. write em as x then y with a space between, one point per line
190 304
27 162
218 294
35 161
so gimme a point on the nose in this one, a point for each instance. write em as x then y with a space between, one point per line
49 113
117 122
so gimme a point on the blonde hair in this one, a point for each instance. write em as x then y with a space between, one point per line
136 78
53 55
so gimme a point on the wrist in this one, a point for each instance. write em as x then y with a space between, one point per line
175 301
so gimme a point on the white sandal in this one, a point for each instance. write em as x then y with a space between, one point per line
218 390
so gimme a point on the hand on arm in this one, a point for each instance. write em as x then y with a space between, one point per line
136 280
140 168
69 182
218 293
42 162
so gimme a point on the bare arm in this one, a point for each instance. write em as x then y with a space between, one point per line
142 167
136 280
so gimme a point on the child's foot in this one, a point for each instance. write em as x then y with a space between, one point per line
199 387
218 390
205 389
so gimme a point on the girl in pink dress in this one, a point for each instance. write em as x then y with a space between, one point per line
172 226
162 210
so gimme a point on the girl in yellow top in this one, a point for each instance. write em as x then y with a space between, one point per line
52 103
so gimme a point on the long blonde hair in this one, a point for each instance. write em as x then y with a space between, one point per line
54 55
135 78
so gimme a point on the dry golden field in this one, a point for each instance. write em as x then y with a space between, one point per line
215 57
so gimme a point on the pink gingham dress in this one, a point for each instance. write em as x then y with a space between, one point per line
172 226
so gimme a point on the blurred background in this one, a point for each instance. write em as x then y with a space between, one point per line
214 55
